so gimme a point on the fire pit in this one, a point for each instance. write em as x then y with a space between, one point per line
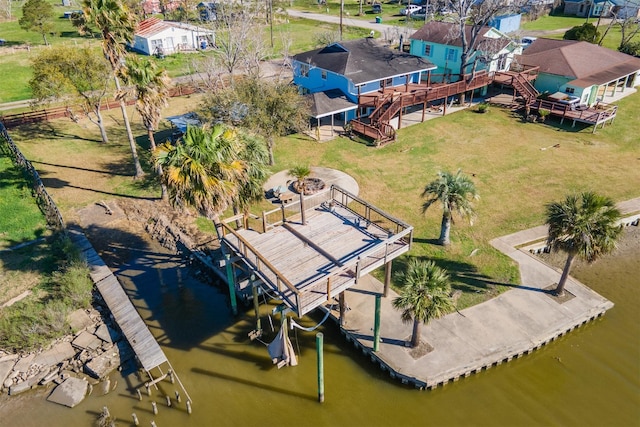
311 186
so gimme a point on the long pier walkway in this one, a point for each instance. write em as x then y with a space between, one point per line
515 323
144 345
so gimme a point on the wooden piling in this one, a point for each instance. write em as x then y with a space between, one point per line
154 406
256 302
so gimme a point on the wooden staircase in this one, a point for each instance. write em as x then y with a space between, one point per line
387 105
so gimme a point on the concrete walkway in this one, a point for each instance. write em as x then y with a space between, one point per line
329 176
510 325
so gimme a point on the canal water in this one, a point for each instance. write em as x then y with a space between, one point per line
591 377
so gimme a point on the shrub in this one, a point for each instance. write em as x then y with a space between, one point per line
483 108
630 48
586 32
74 284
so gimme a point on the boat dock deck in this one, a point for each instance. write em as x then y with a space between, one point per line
511 325
344 239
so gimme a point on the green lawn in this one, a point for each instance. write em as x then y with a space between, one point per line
514 175
548 22
20 217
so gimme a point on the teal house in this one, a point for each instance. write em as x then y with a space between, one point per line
439 42
583 70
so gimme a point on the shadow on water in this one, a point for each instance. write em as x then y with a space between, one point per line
179 307
253 384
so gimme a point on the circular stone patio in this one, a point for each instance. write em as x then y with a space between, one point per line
329 176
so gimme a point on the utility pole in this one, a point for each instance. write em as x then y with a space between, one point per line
341 13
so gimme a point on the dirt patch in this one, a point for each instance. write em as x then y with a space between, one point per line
560 299
422 349
132 220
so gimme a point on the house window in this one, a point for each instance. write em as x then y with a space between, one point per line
427 50
388 82
570 90
304 70
156 44
452 55
323 74
185 40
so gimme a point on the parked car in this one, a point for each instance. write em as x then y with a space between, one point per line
525 42
419 15
409 9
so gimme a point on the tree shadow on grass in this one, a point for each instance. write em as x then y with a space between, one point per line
464 276
48 130
103 171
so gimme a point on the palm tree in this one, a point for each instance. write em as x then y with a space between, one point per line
116 25
203 170
301 172
455 193
582 225
255 154
425 295
151 86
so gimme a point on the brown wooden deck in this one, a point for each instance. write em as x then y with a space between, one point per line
307 265
599 114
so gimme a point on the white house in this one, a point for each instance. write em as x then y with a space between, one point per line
155 36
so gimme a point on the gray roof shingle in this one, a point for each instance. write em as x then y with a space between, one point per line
364 60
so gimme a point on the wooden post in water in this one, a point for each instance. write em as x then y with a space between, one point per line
387 278
343 310
232 284
256 302
319 349
376 325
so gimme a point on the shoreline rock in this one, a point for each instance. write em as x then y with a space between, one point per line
95 349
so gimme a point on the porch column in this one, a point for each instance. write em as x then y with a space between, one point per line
332 115
318 129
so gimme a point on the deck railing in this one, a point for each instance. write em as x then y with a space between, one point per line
262 267
593 115
396 238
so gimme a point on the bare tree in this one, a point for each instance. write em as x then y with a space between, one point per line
238 36
627 23
471 16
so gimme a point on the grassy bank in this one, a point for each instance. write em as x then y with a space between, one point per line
40 317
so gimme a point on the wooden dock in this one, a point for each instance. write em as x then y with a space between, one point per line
306 265
144 345
133 327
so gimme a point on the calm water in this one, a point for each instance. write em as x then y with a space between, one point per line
589 378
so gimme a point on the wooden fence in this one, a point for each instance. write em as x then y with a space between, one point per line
43 199
43 115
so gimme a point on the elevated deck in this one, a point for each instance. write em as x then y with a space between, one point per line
344 239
